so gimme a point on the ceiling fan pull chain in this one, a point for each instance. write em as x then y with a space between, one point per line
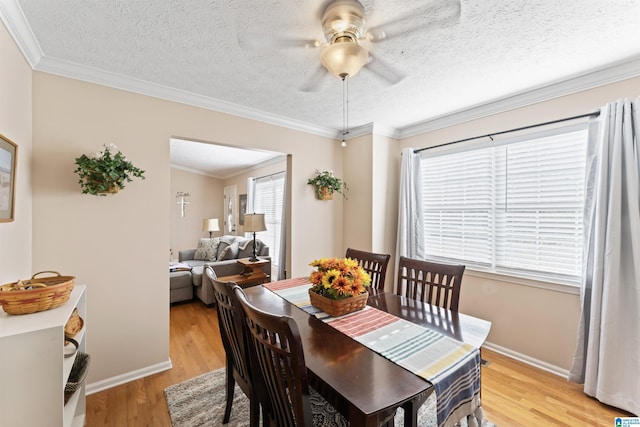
344 110
346 127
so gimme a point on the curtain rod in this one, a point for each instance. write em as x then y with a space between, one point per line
267 176
491 135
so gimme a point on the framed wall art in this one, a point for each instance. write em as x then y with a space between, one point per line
8 162
243 208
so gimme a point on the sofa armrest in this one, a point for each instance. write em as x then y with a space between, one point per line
220 268
186 255
226 268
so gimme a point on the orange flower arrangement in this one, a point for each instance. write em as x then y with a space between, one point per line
338 278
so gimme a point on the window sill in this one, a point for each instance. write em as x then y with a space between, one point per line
556 287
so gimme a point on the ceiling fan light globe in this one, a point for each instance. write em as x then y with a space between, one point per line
344 59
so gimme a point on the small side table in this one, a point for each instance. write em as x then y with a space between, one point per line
253 274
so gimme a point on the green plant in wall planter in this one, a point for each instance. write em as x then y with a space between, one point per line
105 172
326 183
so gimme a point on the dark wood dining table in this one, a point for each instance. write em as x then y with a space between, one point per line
363 385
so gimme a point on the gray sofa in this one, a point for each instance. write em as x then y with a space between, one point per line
221 253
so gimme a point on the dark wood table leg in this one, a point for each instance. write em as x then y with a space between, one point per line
411 409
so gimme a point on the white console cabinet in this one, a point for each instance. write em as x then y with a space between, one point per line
34 371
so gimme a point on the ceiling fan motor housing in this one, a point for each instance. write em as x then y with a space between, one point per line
343 18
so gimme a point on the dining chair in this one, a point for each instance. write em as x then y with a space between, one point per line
430 282
235 341
276 348
373 263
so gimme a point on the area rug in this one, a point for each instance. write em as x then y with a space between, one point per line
200 402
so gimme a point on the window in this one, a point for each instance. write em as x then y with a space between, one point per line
515 208
268 199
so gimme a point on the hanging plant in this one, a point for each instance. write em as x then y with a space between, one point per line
106 172
326 183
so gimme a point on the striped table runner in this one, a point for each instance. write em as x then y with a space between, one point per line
453 367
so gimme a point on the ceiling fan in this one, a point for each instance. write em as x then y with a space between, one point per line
344 28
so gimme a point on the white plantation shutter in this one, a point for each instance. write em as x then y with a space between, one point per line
268 198
515 208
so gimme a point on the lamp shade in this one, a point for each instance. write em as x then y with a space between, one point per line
344 59
254 223
210 224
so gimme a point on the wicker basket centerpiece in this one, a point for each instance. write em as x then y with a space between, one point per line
36 294
339 286
338 307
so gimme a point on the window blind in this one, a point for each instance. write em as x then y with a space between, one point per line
268 199
515 208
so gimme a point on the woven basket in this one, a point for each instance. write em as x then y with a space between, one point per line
77 375
324 193
74 324
50 293
338 307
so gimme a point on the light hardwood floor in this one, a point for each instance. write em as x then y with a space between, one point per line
513 393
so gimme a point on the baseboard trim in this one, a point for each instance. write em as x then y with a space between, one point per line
564 373
98 386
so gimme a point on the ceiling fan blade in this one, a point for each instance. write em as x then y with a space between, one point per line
260 41
384 70
312 83
442 13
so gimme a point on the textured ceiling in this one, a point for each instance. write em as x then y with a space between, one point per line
218 161
495 49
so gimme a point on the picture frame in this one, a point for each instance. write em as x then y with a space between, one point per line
8 164
243 208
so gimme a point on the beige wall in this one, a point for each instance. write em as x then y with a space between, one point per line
538 323
371 170
118 244
357 174
205 202
386 183
15 124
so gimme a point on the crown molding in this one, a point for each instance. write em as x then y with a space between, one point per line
118 81
358 131
616 72
18 26
244 170
371 128
384 130
194 171
257 166
13 17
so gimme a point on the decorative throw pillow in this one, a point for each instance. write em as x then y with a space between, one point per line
224 242
246 248
207 249
230 252
213 255
222 245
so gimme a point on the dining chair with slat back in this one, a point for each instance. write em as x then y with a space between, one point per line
430 282
276 348
374 264
235 341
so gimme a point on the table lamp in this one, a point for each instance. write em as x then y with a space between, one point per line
253 223
210 225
